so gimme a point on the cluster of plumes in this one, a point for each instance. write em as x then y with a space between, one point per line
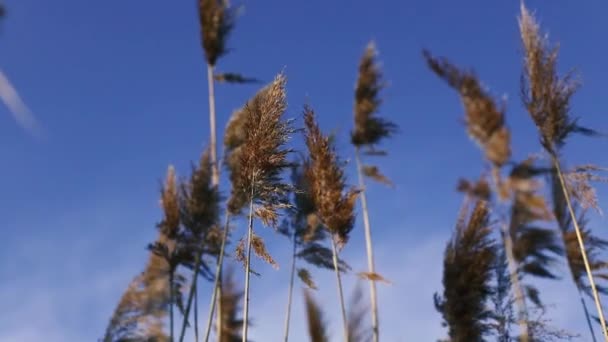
230 324
199 216
535 248
188 229
334 204
484 119
469 262
369 128
191 212
216 20
546 95
142 309
257 155
304 228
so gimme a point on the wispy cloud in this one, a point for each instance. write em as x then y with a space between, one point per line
21 113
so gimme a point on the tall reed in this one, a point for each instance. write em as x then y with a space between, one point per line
369 131
307 236
546 96
469 260
530 249
258 177
216 21
335 204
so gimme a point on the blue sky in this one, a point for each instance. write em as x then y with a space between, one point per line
119 88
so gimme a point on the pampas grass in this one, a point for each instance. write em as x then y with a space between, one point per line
262 159
334 203
370 129
305 231
529 249
469 259
547 98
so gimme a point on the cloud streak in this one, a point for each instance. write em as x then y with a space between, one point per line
20 112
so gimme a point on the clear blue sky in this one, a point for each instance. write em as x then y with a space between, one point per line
120 89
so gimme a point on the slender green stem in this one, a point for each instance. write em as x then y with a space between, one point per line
368 246
195 313
291 281
340 291
581 244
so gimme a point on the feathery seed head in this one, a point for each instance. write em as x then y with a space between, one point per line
216 20
545 94
369 128
468 264
170 204
335 204
262 155
484 119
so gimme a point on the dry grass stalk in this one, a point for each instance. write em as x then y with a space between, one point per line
262 159
334 204
304 229
216 21
199 216
317 328
469 262
529 250
370 129
547 96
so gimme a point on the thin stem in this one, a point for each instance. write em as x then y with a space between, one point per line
215 173
516 286
216 282
587 315
368 246
339 286
215 166
195 313
171 272
248 266
581 244
218 304
291 281
197 265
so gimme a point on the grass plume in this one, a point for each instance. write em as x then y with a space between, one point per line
304 229
370 129
547 96
317 328
469 261
530 249
262 160
333 202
